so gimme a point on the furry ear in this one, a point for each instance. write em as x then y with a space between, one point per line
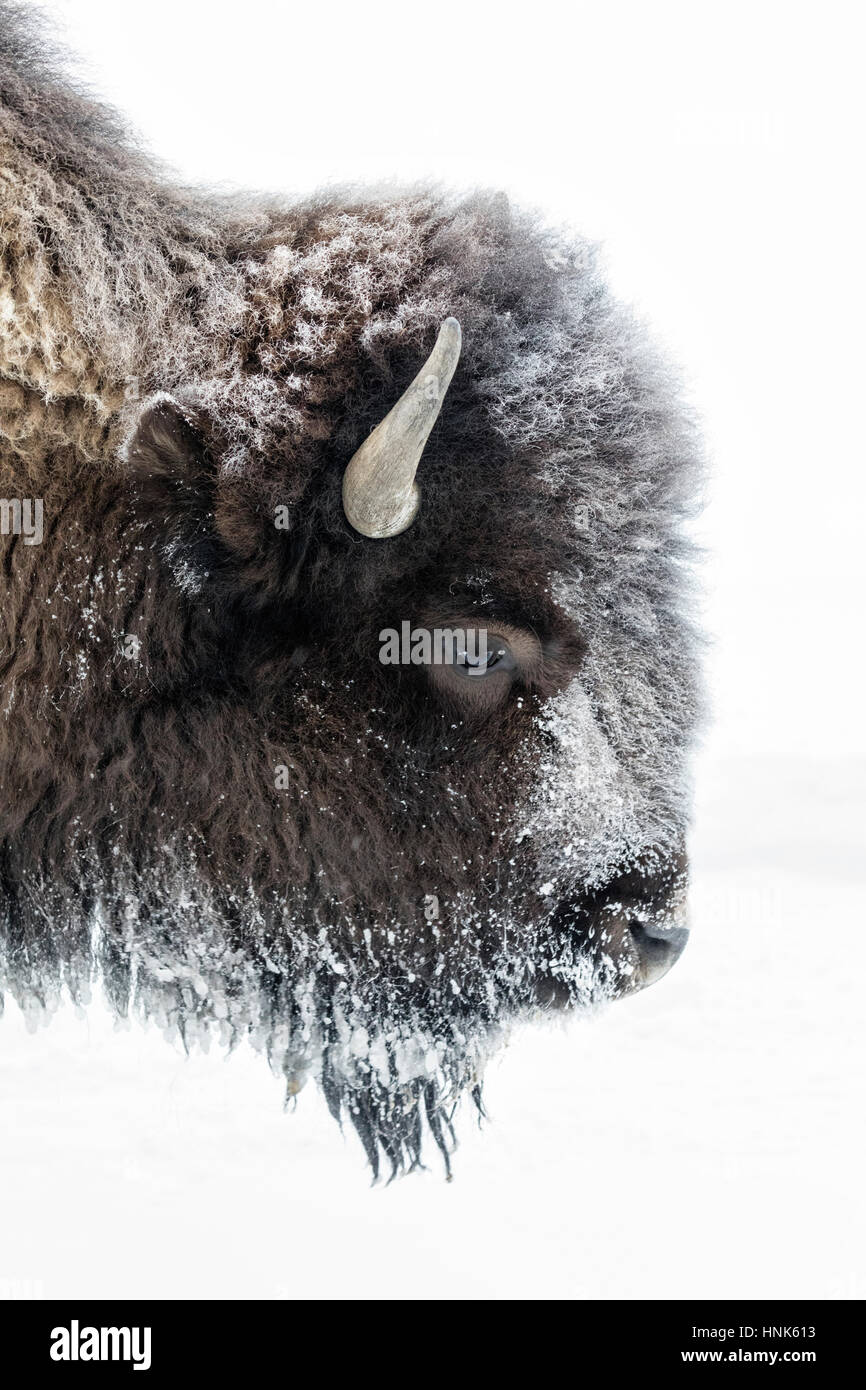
172 476
169 444
210 525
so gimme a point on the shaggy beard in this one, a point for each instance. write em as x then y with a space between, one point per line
392 1015
395 1025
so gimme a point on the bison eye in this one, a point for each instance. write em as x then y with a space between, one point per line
476 667
477 660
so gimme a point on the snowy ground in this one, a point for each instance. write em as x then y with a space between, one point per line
704 1139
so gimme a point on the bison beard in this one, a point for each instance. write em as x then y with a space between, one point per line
216 800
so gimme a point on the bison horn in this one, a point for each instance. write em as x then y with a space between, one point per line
380 497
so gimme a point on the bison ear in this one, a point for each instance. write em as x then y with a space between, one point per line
169 442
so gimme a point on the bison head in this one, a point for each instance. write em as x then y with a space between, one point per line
370 866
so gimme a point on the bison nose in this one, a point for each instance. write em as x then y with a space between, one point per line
658 948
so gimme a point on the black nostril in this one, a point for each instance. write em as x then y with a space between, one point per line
675 937
658 947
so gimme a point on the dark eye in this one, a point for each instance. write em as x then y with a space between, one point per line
479 654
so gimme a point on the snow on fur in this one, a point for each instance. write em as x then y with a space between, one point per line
175 367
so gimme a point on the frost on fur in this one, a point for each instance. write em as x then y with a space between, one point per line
431 864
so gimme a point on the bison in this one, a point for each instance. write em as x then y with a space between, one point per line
258 437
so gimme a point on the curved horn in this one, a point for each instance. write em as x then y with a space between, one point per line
380 497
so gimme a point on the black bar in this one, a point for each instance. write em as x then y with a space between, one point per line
233 1339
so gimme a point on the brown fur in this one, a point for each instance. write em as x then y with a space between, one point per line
243 353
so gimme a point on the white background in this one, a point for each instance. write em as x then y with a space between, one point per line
706 1138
